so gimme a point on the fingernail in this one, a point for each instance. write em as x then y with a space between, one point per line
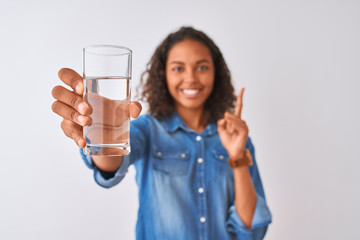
81 118
81 107
78 88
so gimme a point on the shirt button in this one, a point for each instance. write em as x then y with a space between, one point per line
198 138
183 155
158 153
221 157
200 160
201 190
202 219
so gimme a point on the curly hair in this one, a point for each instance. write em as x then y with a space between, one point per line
153 80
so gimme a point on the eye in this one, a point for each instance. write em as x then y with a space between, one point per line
203 68
177 69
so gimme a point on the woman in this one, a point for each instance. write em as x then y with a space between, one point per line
195 164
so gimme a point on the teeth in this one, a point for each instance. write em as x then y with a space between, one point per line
190 91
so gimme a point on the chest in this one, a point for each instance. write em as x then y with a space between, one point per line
189 155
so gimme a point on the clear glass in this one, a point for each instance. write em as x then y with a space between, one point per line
107 81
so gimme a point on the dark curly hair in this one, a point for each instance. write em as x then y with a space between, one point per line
153 80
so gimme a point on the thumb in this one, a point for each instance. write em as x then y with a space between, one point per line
135 109
221 123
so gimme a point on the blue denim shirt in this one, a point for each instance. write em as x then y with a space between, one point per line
186 188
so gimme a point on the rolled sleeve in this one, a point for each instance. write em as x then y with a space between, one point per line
99 178
260 222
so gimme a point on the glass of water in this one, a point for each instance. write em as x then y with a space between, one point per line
107 81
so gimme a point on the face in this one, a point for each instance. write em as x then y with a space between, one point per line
190 74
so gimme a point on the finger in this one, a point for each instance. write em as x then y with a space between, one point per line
231 116
221 123
229 127
238 125
135 109
235 125
241 129
107 111
72 79
232 119
71 99
71 114
239 103
74 132
233 122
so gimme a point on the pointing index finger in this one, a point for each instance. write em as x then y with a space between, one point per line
239 104
72 79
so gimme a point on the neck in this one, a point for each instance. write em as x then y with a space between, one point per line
194 118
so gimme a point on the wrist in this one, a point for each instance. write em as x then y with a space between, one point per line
244 159
238 156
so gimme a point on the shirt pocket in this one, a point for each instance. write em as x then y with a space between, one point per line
172 161
221 156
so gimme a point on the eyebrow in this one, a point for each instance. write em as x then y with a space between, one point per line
200 61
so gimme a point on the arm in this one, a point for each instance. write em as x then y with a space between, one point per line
233 133
249 216
261 217
107 164
245 195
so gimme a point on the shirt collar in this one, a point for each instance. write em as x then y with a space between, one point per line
175 122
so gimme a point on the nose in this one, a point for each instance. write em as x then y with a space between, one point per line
190 76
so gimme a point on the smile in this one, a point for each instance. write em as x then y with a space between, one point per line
190 92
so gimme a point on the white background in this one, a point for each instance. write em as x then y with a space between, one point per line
298 60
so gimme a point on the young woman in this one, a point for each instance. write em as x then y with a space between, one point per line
195 164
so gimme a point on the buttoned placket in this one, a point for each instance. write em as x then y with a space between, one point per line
200 187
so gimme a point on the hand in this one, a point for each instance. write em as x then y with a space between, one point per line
233 131
75 111
109 119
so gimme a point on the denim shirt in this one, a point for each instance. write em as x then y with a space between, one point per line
186 188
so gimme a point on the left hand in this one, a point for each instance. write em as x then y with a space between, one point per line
233 131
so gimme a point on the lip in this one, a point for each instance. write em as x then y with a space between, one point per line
190 92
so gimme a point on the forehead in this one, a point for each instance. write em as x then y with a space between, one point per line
188 50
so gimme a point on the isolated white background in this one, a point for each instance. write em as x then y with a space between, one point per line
298 60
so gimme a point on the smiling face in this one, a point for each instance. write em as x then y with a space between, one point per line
190 74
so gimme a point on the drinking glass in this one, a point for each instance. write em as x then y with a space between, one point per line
107 82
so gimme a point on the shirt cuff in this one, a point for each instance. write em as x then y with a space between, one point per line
99 179
261 219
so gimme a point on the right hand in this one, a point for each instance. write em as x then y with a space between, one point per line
75 111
